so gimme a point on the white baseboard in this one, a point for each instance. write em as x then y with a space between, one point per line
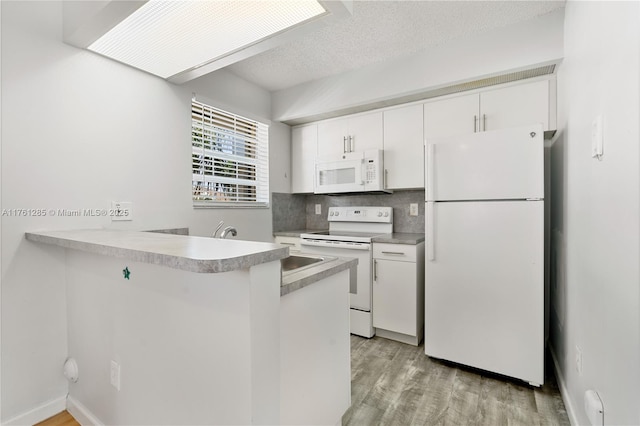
571 413
81 413
40 413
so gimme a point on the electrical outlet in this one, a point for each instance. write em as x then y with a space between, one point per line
413 209
121 210
114 375
579 360
318 208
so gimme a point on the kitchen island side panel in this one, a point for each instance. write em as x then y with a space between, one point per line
182 341
315 351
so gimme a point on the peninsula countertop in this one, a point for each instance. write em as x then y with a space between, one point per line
297 279
189 253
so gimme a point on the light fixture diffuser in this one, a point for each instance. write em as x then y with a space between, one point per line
166 38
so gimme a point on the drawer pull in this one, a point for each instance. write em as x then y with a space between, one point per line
396 253
287 244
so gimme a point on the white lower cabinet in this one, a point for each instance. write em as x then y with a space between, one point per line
292 242
398 291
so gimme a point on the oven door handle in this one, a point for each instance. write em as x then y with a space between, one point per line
336 245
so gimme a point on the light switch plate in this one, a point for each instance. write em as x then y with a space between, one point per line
114 375
578 360
318 208
597 138
413 209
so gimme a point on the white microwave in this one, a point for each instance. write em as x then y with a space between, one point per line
351 172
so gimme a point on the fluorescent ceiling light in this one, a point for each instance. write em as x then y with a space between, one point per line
166 38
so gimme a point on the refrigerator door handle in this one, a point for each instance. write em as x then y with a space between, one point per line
430 172
431 243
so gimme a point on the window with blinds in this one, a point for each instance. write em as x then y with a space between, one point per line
229 160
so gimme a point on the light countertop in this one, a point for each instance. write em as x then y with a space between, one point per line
295 280
189 253
399 238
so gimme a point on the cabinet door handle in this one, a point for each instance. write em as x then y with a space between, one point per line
350 143
475 124
386 173
396 253
484 122
375 270
344 145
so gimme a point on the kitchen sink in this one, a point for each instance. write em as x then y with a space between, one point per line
294 262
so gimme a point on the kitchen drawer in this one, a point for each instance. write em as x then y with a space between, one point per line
397 252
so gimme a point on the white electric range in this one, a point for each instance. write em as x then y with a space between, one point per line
351 230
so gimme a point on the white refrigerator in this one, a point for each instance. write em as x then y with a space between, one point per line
484 269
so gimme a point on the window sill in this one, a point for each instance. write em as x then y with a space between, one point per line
223 205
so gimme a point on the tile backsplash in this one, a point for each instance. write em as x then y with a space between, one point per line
289 212
296 211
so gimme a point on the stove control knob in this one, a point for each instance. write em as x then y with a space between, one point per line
337 213
379 214
386 214
331 214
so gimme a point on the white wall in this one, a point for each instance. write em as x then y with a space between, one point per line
595 211
536 41
79 130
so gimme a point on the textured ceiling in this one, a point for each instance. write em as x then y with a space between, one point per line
379 31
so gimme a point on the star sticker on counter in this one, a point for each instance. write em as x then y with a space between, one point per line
126 272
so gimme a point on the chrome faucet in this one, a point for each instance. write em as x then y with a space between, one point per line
215 233
229 230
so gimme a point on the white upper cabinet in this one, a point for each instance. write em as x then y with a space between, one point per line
304 142
333 138
451 117
351 134
401 131
511 106
403 147
515 106
366 132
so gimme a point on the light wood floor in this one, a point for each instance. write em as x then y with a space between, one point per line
397 384
61 419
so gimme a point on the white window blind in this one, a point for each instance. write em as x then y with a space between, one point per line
230 158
